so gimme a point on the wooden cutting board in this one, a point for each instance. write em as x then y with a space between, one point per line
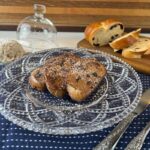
141 65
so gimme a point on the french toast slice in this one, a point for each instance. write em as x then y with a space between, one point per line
54 80
37 80
56 72
84 77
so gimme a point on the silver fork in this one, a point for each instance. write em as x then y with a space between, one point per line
110 142
137 142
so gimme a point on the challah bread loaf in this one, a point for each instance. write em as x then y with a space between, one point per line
125 41
102 33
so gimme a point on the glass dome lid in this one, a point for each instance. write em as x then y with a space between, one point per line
37 32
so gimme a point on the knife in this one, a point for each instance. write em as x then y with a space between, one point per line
110 142
137 142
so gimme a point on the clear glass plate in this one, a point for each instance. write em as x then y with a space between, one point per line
117 95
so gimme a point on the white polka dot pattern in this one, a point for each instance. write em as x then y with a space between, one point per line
13 137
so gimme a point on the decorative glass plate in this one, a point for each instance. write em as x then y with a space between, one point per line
117 95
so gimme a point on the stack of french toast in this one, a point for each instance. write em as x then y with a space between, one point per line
70 74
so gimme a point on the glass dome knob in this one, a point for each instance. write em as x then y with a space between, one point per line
39 10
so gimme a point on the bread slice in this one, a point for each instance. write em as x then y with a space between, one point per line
54 80
125 41
83 79
36 79
103 32
56 72
54 76
142 46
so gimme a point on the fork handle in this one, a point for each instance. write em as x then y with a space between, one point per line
110 142
138 141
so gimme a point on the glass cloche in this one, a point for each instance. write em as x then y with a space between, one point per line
37 32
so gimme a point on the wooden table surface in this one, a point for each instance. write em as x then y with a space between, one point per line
76 14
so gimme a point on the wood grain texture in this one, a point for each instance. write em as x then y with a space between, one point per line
79 13
142 65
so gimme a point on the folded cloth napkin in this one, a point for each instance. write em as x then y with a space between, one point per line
13 137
